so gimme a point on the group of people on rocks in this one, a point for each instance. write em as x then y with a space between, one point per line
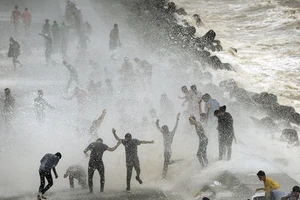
97 149
271 189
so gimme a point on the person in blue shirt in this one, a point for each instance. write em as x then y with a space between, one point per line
48 162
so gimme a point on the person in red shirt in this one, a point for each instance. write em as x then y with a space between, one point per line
26 17
15 17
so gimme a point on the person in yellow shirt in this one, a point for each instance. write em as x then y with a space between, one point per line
269 184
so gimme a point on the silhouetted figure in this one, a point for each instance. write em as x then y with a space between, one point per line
73 75
55 34
48 47
76 172
96 163
47 28
40 105
14 52
26 17
15 18
48 163
114 38
9 109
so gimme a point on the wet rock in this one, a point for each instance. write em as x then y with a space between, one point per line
207 77
213 90
267 124
284 112
295 118
290 135
181 11
241 95
228 85
265 98
227 66
216 63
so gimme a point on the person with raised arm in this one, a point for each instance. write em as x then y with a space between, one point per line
168 140
96 163
96 124
132 159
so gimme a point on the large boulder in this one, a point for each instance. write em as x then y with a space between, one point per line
181 11
228 85
283 112
216 63
290 135
265 98
241 95
295 118
267 124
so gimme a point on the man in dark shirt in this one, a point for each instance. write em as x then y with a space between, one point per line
76 172
132 160
114 39
97 149
203 141
226 132
168 140
46 27
48 162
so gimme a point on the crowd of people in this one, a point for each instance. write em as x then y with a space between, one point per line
203 111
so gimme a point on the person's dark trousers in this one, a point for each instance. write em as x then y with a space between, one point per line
136 165
92 167
167 157
48 176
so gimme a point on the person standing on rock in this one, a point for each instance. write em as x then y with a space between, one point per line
114 39
132 159
203 140
168 140
48 163
47 28
211 105
226 132
96 163
14 52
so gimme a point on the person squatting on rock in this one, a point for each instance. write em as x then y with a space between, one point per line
96 163
168 140
132 159
76 172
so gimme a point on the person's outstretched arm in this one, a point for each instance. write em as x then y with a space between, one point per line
47 104
114 148
100 119
55 173
199 106
175 128
146 142
115 135
157 125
